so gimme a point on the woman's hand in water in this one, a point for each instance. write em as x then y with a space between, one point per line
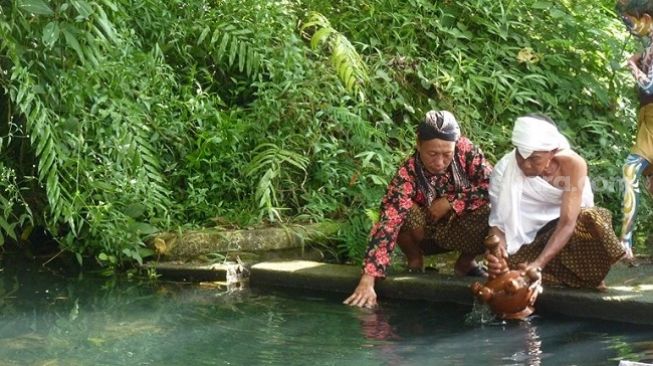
364 296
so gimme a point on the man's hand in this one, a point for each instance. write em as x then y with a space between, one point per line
634 59
439 208
535 265
364 296
497 265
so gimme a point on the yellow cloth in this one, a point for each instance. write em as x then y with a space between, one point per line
644 142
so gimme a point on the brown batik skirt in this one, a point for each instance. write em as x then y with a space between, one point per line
586 259
464 233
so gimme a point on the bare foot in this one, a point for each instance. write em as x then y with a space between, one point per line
602 287
467 266
463 265
629 258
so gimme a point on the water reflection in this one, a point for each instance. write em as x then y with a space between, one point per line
417 335
57 319
375 325
531 351
644 350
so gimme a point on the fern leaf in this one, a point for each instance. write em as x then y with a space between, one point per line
233 52
223 46
321 36
348 64
203 35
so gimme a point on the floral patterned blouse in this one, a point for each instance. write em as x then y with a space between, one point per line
403 193
643 74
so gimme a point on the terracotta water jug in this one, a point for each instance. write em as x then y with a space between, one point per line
511 294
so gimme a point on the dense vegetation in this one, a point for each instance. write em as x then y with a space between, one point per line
121 117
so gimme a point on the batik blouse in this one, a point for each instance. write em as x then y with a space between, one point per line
643 74
405 190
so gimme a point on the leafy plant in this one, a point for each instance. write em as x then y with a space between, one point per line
349 66
123 118
269 159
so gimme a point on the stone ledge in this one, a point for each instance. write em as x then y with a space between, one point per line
629 297
632 304
615 305
191 244
189 272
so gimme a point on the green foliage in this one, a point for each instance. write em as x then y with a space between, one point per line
124 118
82 94
10 198
347 62
270 159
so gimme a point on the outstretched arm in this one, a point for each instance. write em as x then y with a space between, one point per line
383 236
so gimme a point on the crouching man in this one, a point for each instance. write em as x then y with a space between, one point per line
543 210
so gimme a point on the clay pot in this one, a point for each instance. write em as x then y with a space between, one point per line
512 294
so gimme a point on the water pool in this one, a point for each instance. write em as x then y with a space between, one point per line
49 318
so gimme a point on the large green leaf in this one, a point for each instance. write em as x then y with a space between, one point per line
51 34
83 8
36 7
72 42
8 228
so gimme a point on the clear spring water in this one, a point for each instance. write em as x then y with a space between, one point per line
48 318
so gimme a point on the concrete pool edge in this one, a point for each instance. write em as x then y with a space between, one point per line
629 297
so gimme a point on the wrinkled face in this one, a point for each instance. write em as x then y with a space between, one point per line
436 154
638 26
536 162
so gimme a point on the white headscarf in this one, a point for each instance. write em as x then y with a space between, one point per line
533 134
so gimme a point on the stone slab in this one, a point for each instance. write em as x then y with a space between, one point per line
189 272
630 302
629 297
